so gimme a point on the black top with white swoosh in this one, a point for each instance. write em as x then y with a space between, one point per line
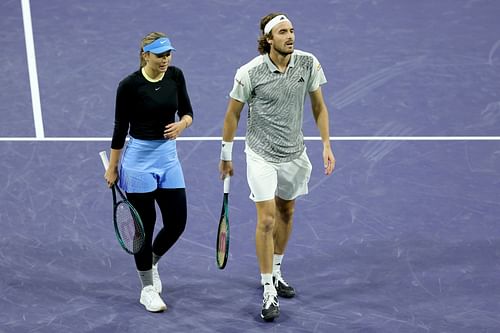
144 108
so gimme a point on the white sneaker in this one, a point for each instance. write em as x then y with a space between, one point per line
152 300
156 280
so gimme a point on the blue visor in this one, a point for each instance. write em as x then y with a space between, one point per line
160 45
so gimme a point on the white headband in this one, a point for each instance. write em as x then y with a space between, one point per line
271 24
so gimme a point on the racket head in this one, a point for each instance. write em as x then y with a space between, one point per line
128 226
222 246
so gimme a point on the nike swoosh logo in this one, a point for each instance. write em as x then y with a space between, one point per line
163 42
157 88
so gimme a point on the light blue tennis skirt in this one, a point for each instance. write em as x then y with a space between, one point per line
150 164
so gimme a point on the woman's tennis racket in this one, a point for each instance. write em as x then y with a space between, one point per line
222 246
127 222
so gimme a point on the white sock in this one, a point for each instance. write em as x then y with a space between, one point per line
277 258
267 282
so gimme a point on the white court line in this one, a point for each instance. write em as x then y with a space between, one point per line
38 120
33 76
307 138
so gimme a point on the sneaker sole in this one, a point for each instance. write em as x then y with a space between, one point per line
163 308
271 316
285 295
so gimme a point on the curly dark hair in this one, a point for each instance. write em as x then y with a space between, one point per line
262 45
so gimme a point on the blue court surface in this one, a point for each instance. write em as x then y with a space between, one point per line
404 236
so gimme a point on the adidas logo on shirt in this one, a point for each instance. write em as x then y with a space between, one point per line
301 79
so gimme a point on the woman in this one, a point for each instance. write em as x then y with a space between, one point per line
147 102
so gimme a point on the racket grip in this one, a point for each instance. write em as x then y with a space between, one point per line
104 159
227 183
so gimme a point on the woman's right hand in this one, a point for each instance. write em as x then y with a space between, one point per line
111 175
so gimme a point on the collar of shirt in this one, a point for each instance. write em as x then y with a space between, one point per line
272 67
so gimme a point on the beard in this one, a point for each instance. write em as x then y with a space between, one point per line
283 51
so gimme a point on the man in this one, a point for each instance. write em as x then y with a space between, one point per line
275 85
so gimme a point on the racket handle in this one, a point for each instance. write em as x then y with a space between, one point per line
104 159
227 183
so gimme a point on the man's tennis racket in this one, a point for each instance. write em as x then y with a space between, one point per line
223 230
127 222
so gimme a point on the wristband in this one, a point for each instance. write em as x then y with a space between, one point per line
226 152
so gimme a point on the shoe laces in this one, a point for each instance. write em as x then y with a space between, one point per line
149 293
270 299
279 278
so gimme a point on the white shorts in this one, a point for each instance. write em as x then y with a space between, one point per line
286 180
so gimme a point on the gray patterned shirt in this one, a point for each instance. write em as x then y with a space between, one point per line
276 103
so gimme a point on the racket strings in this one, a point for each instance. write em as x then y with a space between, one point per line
222 242
129 228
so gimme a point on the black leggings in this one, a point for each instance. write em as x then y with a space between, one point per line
173 208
